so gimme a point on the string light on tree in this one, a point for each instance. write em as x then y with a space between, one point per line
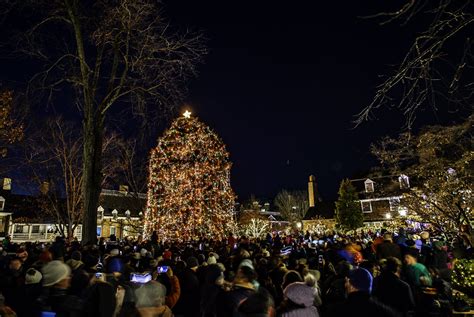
189 192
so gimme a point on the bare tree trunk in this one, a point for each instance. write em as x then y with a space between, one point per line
93 134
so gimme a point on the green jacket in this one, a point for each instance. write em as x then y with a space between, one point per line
414 274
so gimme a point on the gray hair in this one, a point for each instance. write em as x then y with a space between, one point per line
151 294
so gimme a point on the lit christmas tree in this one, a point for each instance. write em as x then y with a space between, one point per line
189 192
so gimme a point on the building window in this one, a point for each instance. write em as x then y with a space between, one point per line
35 229
394 204
99 231
369 186
366 206
112 230
404 181
19 229
2 203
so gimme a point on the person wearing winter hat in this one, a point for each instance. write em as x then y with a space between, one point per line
56 273
211 260
167 255
359 302
188 302
75 261
298 301
242 288
29 293
192 263
33 276
114 252
56 277
214 278
248 263
259 304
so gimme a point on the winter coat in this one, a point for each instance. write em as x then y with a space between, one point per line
390 290
188 302
209 295
228 302
415 272
100 300
360 304
175 293
58 301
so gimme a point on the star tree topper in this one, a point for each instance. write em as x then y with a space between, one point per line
187 114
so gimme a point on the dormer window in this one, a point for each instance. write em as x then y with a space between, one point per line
100 212
115 213
404 181
369 186
127 213
2 203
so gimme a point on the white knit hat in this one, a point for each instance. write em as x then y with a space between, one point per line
54 272
33 276
114 252
211 260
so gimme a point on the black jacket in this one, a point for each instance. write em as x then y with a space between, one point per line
189 300
392 291
58 301
228 302
360 304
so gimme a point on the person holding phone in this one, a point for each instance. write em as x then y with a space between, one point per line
174 292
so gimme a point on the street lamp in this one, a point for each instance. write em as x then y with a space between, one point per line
298 225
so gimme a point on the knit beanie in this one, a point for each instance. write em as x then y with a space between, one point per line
192 262
54 272
211 260
74 264
33 276
300 294
361 279
114 252
248 263
167 255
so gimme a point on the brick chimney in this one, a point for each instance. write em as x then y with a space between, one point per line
312 191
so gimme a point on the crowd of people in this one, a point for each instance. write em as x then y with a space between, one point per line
366 274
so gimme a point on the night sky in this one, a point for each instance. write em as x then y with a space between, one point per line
282 83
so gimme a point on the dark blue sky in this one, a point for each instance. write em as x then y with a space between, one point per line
282 83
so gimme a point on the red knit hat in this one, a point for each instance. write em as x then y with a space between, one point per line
167 255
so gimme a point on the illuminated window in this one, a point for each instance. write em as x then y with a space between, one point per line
366 206
35 229
369 186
